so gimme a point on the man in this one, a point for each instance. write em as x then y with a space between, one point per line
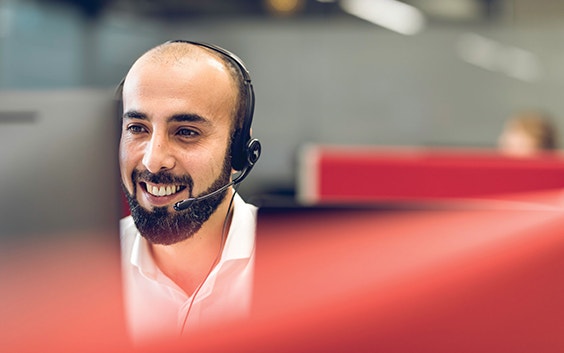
188 246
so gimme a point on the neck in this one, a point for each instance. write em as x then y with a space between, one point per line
189 262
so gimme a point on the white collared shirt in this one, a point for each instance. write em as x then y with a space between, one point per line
156 307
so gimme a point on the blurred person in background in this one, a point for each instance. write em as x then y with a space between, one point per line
528 133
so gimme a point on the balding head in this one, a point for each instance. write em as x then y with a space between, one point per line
183 56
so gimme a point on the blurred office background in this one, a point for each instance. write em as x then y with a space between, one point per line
423 73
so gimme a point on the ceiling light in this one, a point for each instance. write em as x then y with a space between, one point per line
284 7
391 14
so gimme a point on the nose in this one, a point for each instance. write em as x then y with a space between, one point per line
158 155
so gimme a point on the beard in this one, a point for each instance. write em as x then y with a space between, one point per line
164 227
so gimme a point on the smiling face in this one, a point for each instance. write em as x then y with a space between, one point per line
178 115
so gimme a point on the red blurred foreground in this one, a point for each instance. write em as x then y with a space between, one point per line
484 278
61 296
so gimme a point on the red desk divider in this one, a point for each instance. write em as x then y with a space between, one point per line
353 173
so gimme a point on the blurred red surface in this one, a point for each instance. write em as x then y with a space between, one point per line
477 277
448 280
333 173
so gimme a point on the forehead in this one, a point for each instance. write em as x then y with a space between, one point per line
173 79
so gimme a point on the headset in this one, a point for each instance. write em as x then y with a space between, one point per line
245 150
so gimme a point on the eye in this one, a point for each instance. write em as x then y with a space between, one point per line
136 129
186 132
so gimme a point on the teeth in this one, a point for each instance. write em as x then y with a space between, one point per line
162 190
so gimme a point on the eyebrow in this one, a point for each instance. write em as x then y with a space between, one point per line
193 118
133 114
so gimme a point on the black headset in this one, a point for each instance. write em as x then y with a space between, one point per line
245 151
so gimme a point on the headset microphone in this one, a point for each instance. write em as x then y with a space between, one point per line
184 204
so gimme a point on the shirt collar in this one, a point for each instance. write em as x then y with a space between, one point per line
141 257
240 240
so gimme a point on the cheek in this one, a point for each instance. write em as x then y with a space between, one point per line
205 165
200 165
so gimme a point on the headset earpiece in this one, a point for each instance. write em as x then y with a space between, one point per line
253 151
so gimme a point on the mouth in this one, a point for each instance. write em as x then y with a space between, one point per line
162 190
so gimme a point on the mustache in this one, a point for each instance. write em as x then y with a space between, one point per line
163 177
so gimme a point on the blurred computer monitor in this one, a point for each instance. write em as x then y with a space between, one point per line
59 222
58 163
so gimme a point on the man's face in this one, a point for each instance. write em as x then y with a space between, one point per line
174 143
